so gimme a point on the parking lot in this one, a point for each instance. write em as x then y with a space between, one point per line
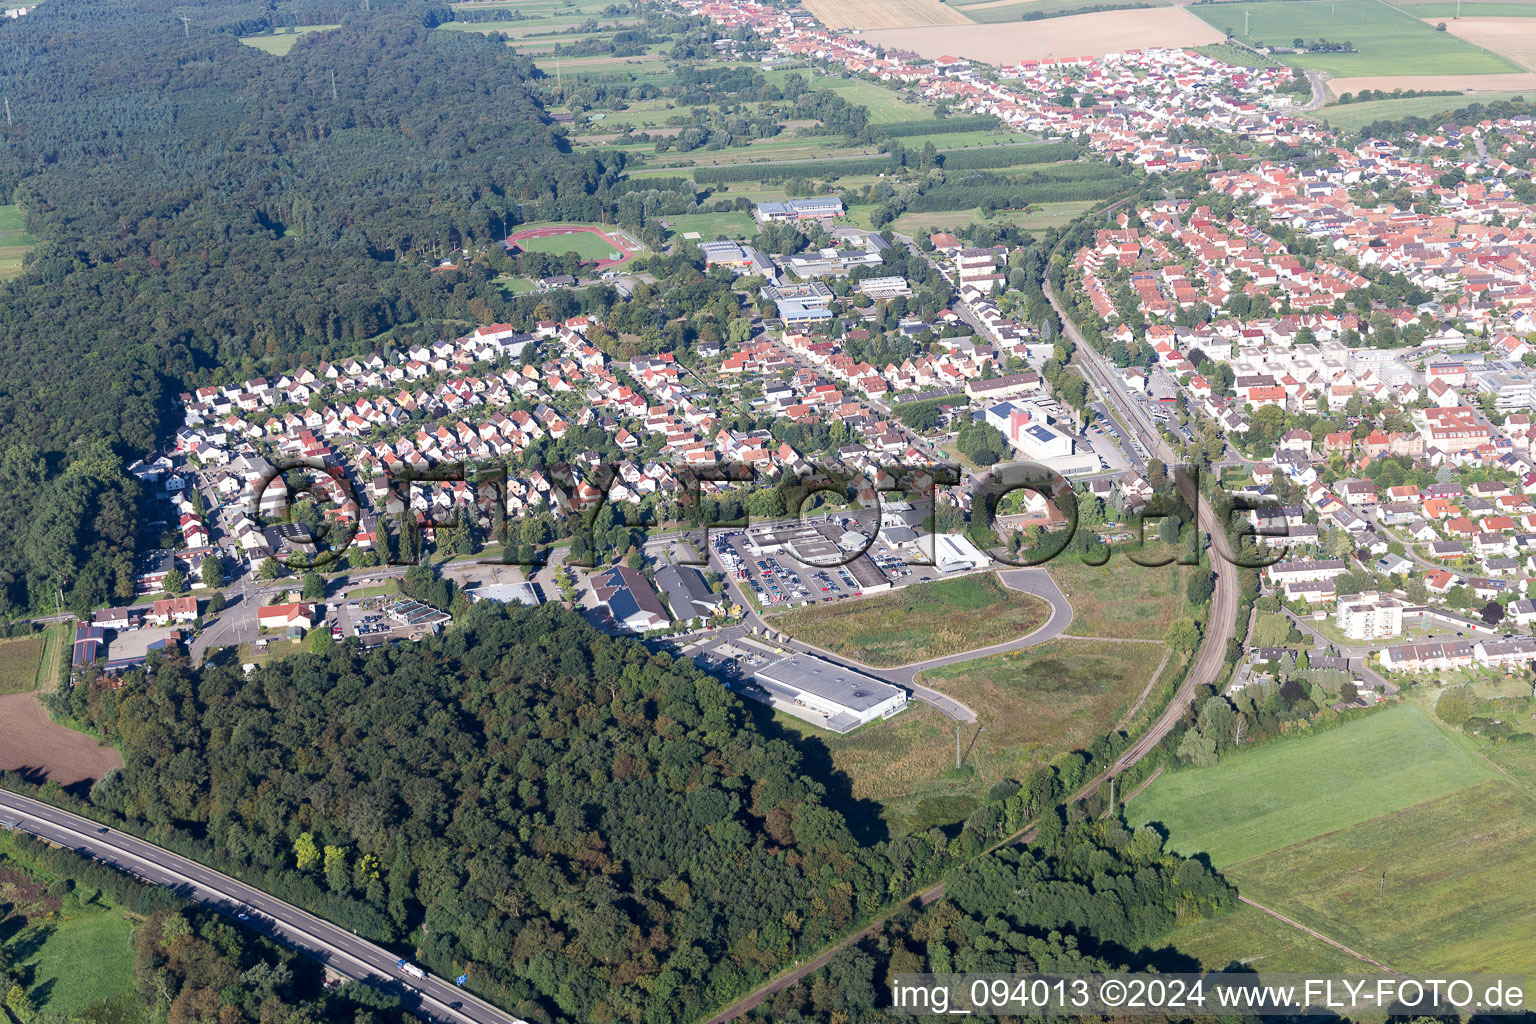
781 580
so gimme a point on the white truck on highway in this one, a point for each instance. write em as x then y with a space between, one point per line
411 969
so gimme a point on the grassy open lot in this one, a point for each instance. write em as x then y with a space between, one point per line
1262 800
15 243
712 225
21 661
57 640
925 620
1119 598
1043 700
1389 41
1354 116
1033 707
1430 887
282 40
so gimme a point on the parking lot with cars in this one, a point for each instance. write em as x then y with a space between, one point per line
781 580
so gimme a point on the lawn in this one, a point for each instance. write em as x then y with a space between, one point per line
1288 792
1120 598
282 40
1354 116
925 620
21 661
1440 885
1389 41
712 225
15 243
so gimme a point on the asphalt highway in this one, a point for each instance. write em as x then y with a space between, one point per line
435 998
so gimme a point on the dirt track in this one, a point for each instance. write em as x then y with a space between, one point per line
33 743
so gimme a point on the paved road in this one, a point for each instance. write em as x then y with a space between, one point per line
340 950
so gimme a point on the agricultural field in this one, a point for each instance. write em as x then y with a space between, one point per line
884 105
1099 33
925 620
1262 800
21 662
1514 37
281 40
1439 10
1425 888
31 741
1255 939
1388 41
15 243
867 14
991 12
1391 834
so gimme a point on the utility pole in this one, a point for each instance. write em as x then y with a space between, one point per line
186 26
333 85
958 727
1245 22
8 120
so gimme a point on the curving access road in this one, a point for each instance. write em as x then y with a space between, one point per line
339 950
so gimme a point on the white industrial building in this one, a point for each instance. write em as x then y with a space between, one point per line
828 695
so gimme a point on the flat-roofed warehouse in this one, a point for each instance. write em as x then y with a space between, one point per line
840 698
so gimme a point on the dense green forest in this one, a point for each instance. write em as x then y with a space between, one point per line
202 204
592 831
1094 896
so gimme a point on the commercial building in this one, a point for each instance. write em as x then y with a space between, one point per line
834 697
687 593
884 287
629 598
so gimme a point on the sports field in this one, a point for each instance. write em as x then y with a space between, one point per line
864 14
1388 41
925 620
1439 10
15 243
591 244
709 226
1290 791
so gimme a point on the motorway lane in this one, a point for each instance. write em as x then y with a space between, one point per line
340 950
